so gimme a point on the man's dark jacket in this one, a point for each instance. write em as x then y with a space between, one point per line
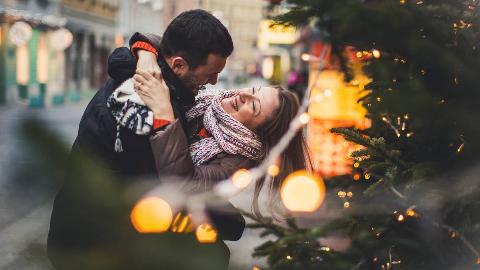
90 225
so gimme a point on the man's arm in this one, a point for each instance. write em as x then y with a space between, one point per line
122 63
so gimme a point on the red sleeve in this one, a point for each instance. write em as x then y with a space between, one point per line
142 45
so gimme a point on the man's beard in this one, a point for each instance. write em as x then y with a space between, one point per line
191 84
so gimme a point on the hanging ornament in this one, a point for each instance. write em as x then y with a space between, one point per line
151 215
302 192
20 33
61 39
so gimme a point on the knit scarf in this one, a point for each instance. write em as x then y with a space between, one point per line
228 134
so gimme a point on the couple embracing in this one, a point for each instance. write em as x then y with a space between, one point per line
152 117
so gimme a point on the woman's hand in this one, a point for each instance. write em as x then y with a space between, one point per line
155 94
147 61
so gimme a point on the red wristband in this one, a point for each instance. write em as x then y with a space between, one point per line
159 123
142 45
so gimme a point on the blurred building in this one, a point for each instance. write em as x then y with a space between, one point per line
171 8
139 16
242 19
52 50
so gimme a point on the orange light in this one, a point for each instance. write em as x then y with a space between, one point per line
151 215
359 54
410 213
205 233
241 178
478 261
302 192
273 170
356 177
376 53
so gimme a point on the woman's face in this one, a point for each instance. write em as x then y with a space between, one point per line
252 106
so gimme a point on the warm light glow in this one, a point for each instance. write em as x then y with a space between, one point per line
302 192
327 249
359 54
151 215
410 213
400 218
273 170
42 60
376 53
350 194
241 178
306 57
20 33
205 233
255 268
356 177
327 92
61 39
356 165
342 194
289 257
267 68
453 234
23 65
346 204
181 223
478 261
367 176
304 118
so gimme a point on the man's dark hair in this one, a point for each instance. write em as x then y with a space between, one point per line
195 34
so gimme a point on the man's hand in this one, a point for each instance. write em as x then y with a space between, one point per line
147 62
155 94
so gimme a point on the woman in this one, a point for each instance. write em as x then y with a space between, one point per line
240 127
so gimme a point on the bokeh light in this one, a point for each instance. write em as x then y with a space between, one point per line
241 178
151 215
302 192
206 233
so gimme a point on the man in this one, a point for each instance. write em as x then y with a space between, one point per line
89 226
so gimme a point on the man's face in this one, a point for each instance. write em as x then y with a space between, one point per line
204 74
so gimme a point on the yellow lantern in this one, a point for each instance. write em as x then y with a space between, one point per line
302 192
206 233
151 215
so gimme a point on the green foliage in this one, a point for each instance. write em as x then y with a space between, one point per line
419 207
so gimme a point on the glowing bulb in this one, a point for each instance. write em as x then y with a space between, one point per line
205 233
478 261
367 176
410 213
400 218
376 53
151 215
306 57
359 54
273 170
346 204
453 234
289 257
304 118
356 165
350 194
342 194
356 177
327 249
302 192
255 268
241 178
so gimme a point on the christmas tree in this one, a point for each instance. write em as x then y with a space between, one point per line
417 205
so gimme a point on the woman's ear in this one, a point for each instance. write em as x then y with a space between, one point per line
179 66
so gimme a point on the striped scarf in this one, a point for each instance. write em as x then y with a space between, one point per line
228 135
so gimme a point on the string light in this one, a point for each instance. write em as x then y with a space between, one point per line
367 176
346 204
410 213
327 249
401 218
350 194
460 148
302 192
304 118
342 194
151 215
273 170
206 233
289 257
241 178
359 54
356 177
356 164
376 53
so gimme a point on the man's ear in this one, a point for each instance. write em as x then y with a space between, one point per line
179 66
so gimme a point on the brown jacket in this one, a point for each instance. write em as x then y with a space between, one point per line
172 157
